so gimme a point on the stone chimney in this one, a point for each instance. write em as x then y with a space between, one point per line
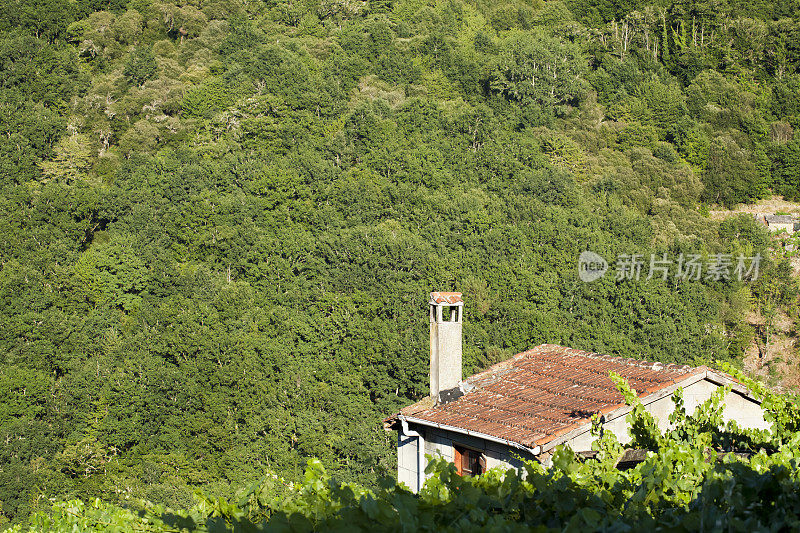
447 315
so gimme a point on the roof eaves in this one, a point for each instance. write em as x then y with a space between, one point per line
724 379
533 451
390 422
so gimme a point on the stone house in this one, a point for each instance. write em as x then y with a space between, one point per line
778 222
524 407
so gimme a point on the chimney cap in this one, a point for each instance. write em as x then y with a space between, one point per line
451 298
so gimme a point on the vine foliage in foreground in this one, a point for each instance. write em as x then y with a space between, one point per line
700 475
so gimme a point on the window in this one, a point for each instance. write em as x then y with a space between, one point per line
469 462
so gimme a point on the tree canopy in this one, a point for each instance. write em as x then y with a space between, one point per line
219 221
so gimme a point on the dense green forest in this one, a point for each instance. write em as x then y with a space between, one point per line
220 220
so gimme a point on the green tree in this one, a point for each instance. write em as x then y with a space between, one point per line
541 69
731 176
140 66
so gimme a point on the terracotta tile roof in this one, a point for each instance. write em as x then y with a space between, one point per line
446 297
543 393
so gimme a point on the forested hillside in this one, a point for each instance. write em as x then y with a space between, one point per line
220 220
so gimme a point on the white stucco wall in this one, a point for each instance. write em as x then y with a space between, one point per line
440 443
745 411
407 460
778 226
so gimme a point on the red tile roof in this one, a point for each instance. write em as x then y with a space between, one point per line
543 393
446 297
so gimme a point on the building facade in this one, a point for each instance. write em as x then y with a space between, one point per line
522 408
776 223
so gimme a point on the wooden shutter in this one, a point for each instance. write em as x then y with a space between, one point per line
468 462
458 460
